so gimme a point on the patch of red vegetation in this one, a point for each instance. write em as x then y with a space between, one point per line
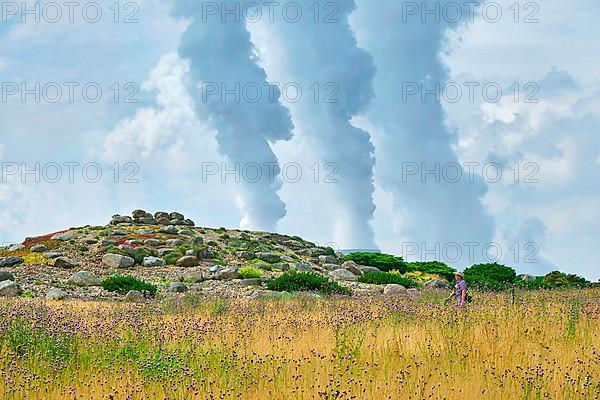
39 239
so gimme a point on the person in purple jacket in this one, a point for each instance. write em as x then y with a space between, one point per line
460 290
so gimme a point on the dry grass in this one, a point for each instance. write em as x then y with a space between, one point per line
545 345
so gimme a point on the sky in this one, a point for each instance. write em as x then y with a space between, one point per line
462 132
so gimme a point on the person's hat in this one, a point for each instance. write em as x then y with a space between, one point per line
460 274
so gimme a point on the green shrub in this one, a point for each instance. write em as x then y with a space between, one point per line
249 272
171 258
385 262
125 283
384 278
433 267
560 279
293 281
537 283
490 276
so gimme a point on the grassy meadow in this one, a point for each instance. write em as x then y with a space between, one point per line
530 345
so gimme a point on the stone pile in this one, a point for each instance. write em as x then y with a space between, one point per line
141 217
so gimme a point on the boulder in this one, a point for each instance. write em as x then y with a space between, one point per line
116 232
436 284
174 242
90 240
393 289
117 261
151 261
152 242
10 261
144 231
246 255
38 248
250 282
187 261
84 278
55 294
169 229
343 275
177 287
163 221
268 257
176 216
327 260
15 247
331 267
352 267
138 213
52 254
164 251
228 273
527 277
6 276
186 232
134 296
63 236
364 269
197 240
9 289
65 263
300 266
161 214
188 222
109 242
120 219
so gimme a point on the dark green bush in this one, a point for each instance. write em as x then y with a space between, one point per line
384 278
125 283
433 267
385 262
293 281
560 279
492 276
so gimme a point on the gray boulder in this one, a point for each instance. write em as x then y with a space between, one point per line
10 261
251 282
343 275
84 278
331 267
52 254
436 284
268 257
151 261
364 269
301 266
164 251
176 216
38 248
65 263
116 232
327 260
120 219
187 261
117 261
174 242
134 296
169 229
144 231
246 255
9 289
63 236
394 290
55 294
15 247
178 287
152 242
90 240
109 242
6 276
197 240
228 273
352 267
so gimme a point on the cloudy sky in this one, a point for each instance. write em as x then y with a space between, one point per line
460 132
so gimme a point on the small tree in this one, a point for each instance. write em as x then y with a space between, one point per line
492 276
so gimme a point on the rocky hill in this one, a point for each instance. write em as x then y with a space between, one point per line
169 251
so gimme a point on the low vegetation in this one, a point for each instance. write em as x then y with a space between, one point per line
384 278
385 262
293 281
124 283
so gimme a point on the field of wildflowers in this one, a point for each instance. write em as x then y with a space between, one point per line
523 345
